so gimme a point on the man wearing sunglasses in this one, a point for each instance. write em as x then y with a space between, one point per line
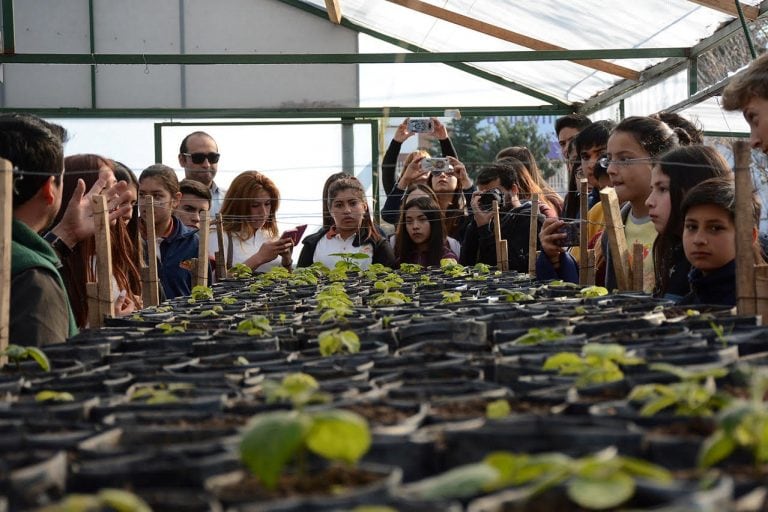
199 156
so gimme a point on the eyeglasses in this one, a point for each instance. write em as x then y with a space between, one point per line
198 158
437 173
605 162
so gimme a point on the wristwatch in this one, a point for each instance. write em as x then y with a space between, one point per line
58 244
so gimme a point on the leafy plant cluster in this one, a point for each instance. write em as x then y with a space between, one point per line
333 303
255 325
273 439
336 341
596 482
597 363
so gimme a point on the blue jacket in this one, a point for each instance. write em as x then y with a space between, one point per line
182 244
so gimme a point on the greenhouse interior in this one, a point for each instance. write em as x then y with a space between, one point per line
383 255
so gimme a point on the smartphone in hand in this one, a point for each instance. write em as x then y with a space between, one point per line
295 233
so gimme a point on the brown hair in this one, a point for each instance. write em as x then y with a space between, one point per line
163 173
236 209
327 219
525 156
368 231
752 83
78 269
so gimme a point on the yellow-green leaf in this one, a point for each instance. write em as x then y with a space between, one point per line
339 435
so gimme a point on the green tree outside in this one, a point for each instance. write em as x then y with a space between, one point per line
477 141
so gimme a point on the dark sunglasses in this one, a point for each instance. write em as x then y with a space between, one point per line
437 173
198 158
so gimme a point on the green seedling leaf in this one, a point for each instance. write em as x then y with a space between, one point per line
497 409
644 469
535 335
122 501
601 493
593 291
270 442
228 300
48 395
40 357
564 361
460 482
717 447
339 435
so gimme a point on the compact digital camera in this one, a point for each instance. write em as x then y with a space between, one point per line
436 165
420 125
488 197
572 232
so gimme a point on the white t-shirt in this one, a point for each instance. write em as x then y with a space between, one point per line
327 246
242 250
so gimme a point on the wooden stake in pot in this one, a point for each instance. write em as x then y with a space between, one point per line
202 253
583 233
533 235
221 266
100 304
617 241
6 216
149 280
502 256
637 266
745 260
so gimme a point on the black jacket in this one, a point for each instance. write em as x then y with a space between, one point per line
479 245
382 251
718 287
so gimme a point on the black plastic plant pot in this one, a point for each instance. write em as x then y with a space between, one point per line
178 499
437 390
320 486
32 478
467 331
386 418
415 455
575 436
648 495
78 410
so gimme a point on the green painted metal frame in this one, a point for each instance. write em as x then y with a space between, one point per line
207 59
304 113
373 123
9 31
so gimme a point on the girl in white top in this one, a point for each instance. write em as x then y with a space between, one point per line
249 225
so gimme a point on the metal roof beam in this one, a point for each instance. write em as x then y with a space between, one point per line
151 59
729 7
512 37
292 113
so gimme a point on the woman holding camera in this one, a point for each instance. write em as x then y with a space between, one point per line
413 173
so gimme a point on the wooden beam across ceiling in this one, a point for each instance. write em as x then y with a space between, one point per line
334 10
512 37
751 12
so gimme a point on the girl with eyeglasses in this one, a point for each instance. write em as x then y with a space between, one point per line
632 147
352 231
249 223
677 171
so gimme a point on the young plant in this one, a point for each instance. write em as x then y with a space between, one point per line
48 395
274 438
256 325
410 268
593 291
452 268
334 303
497 409
595 482
240 271
105 499
450 297
742 424
514 295
348 261
390 295
536 335
16 354
169 328
158 393
597 364
200 293
336 341
695 395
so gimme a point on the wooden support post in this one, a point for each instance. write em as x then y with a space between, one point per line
221 264
583 232
533 235
637 266
590 267
105 307
745 259
502 257
761 289
201 267
617 241
150 291
6 217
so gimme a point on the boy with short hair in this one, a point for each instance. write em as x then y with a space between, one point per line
195 199
709 241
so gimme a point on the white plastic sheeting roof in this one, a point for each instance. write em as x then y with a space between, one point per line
579 25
